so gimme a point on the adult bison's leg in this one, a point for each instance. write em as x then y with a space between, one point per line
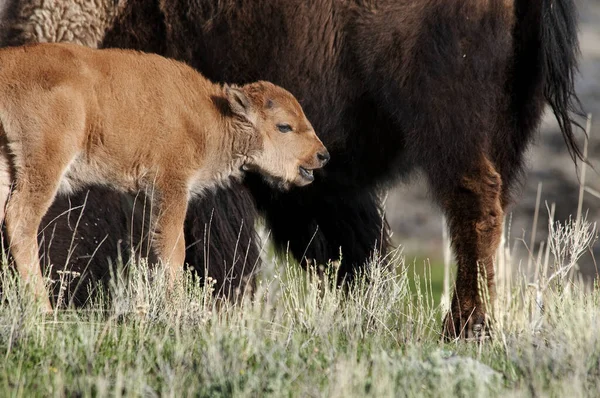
472 203
320 225
83 234
221 239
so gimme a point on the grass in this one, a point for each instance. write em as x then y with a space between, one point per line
299 336
422 272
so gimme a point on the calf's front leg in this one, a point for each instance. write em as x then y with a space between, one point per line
168 238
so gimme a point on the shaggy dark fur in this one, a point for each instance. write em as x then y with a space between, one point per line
455 88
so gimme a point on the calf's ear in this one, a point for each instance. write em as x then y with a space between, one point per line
239 103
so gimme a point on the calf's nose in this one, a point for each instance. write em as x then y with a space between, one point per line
323 157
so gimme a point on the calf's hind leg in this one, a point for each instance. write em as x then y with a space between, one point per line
472 204
34 192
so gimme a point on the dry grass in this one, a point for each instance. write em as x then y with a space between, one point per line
300 336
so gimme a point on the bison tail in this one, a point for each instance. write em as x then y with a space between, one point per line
560 52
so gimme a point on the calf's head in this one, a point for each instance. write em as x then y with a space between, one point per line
288 148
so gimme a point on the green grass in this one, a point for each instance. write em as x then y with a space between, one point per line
423 272
298 336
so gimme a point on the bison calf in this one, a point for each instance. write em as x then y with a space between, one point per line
72 117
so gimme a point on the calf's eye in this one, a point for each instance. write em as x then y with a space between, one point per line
284 128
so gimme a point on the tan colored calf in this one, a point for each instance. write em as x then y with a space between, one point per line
71 117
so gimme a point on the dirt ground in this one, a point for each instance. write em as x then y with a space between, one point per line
417 224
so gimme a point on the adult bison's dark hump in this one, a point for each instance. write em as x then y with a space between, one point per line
455 88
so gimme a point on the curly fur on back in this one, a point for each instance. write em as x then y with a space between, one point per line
77 21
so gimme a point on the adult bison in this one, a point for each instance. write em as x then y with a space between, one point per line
455 88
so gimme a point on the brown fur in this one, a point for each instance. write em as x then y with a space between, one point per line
475 216
73 117
453 88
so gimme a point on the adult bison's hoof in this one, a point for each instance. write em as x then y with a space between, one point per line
469 325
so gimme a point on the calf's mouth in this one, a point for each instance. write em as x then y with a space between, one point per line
306 173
